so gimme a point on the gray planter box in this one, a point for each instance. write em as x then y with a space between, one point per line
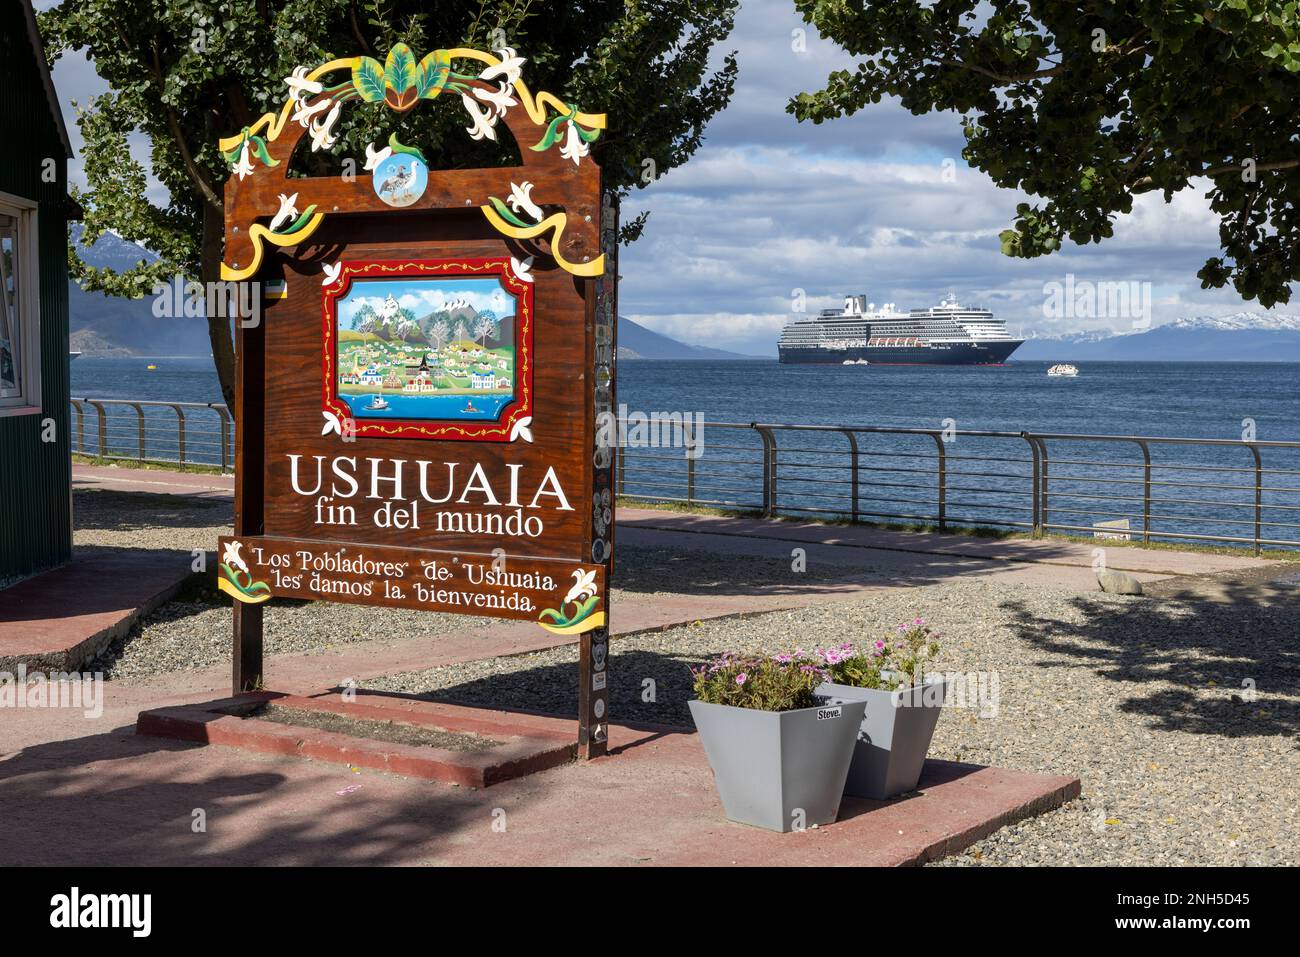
768 764
894 737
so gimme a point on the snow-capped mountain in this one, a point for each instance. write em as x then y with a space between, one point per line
1240 337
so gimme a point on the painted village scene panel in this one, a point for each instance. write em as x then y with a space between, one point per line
438 348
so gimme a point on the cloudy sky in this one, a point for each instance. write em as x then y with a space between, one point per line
769 207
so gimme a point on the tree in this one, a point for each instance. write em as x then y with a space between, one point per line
1088 104
484 327
438 334
185 73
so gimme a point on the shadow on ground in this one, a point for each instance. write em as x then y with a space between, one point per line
142 794
1235 660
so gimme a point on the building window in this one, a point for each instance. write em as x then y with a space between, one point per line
20 308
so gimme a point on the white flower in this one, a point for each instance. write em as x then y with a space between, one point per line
523 270
332 271
500 99
521 201
574 148
483 121
584 585
521 429
300 86
305 111
332 423
374 157
231 557
320 131
287 212
511 67
245 166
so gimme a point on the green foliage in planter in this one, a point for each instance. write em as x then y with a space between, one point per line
889 663
780 683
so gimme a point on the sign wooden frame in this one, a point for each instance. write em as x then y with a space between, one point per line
508 514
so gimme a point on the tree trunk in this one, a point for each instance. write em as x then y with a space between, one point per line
223 344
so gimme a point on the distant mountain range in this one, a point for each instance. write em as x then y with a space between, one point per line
111 326
1242 337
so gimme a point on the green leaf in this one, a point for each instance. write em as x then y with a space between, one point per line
368 80
548 138
397 147
507 214
431 75
301 221
399 68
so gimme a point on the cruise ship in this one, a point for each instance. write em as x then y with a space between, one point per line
946 334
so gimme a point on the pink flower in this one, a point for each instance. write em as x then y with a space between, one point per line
919 622
742 678
880 644
785 659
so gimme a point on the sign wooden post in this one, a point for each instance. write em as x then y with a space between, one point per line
425 363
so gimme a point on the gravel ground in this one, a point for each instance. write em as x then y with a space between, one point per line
148 520
1141 699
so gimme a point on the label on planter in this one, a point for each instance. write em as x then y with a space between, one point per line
825 714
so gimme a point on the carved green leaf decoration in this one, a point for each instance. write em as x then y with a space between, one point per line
368 79
507 214
300 222
544 144
397 147
261 152
399 68
431 75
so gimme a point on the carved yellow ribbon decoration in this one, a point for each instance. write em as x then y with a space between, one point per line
555 221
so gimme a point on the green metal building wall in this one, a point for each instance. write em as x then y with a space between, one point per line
35 476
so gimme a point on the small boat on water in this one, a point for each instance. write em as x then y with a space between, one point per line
151 368
377 404
1063 369
469 406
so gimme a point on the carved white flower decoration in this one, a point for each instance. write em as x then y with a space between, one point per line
584 586
287 212
500 99
522 430
511 67
521 200
305 113
300 86
245 165
232 557
523 269
574 148
482 121
321 137
374 157
331 276
332 423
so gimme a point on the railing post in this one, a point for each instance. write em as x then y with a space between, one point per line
853 472
769 469
103 428
180 432
690 463
943 479
81 425
1035 504
139 413
1146 492
225 435
1259 497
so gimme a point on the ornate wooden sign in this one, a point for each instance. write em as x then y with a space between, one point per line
419 398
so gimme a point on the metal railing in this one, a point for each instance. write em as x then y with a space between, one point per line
1171 489
138 430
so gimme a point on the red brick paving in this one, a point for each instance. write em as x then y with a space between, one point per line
60 619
